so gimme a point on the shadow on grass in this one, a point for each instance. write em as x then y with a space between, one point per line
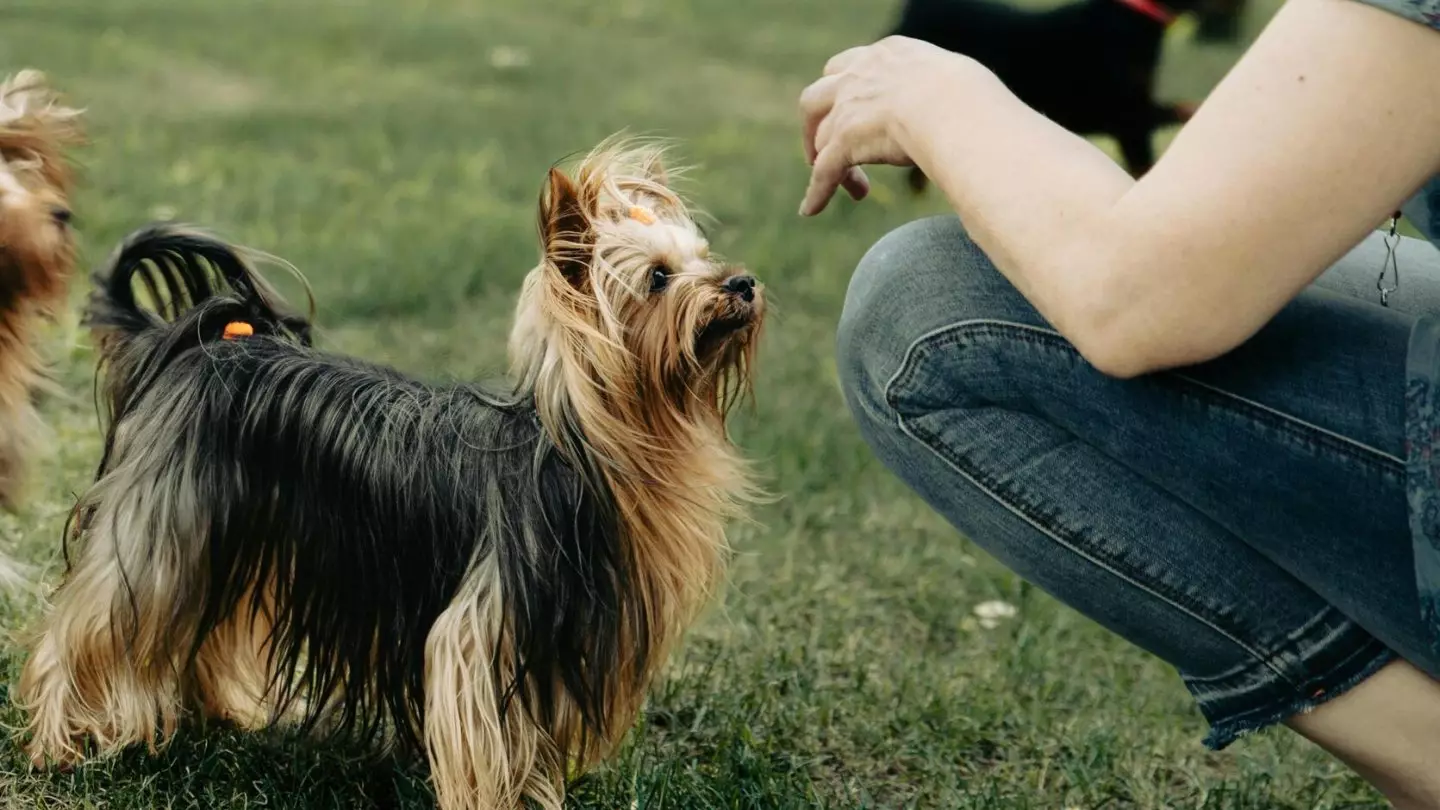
226 769
686 752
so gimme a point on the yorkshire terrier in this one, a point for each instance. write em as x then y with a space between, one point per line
494 575
36 258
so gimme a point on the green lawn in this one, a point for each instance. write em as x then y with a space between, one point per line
393 150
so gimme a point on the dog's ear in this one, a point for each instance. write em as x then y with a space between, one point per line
654 168
564 228
34 125
29 105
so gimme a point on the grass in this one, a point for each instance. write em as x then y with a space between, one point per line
393 150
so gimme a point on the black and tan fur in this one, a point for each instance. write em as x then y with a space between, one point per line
492 575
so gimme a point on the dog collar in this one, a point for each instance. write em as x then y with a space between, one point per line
1152 9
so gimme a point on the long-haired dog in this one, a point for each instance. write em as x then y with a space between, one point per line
281 535
36 259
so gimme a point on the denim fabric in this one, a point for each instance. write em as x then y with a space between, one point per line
1423 210
1422 421
1245 520
1422 389
1423 385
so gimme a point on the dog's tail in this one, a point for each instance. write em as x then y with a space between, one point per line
197 289
189 278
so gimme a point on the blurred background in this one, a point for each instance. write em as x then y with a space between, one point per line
863 655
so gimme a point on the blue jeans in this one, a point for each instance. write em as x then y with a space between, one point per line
1244 520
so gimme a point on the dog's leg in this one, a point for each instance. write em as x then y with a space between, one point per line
82 681
107 665
1138 151
20 423
232 670
14 575
917 179
478 761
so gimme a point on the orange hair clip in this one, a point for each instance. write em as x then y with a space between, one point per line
644 216
238 329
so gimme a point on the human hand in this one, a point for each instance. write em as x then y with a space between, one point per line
854 113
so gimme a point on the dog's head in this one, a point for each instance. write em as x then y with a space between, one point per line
36 245
628 302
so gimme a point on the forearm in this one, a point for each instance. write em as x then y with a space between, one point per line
1036 198
1325 126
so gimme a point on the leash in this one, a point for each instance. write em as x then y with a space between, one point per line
1388 265
1152 9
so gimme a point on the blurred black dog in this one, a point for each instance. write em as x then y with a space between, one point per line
1088 66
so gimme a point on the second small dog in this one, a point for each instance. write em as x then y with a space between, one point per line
278 535
36 260
1089 66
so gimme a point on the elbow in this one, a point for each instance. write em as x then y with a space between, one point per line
1137 338
1121 356
1127 321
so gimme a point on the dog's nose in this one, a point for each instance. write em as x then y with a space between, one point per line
60 214
743 286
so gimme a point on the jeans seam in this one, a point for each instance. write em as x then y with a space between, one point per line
1258 413
1379 456
1224 731
1054 533
1305 654
1291 642
1367 649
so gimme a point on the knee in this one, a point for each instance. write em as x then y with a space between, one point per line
919 277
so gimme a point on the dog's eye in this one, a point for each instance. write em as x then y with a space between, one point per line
659 278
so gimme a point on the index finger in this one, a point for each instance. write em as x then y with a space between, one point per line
830 169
